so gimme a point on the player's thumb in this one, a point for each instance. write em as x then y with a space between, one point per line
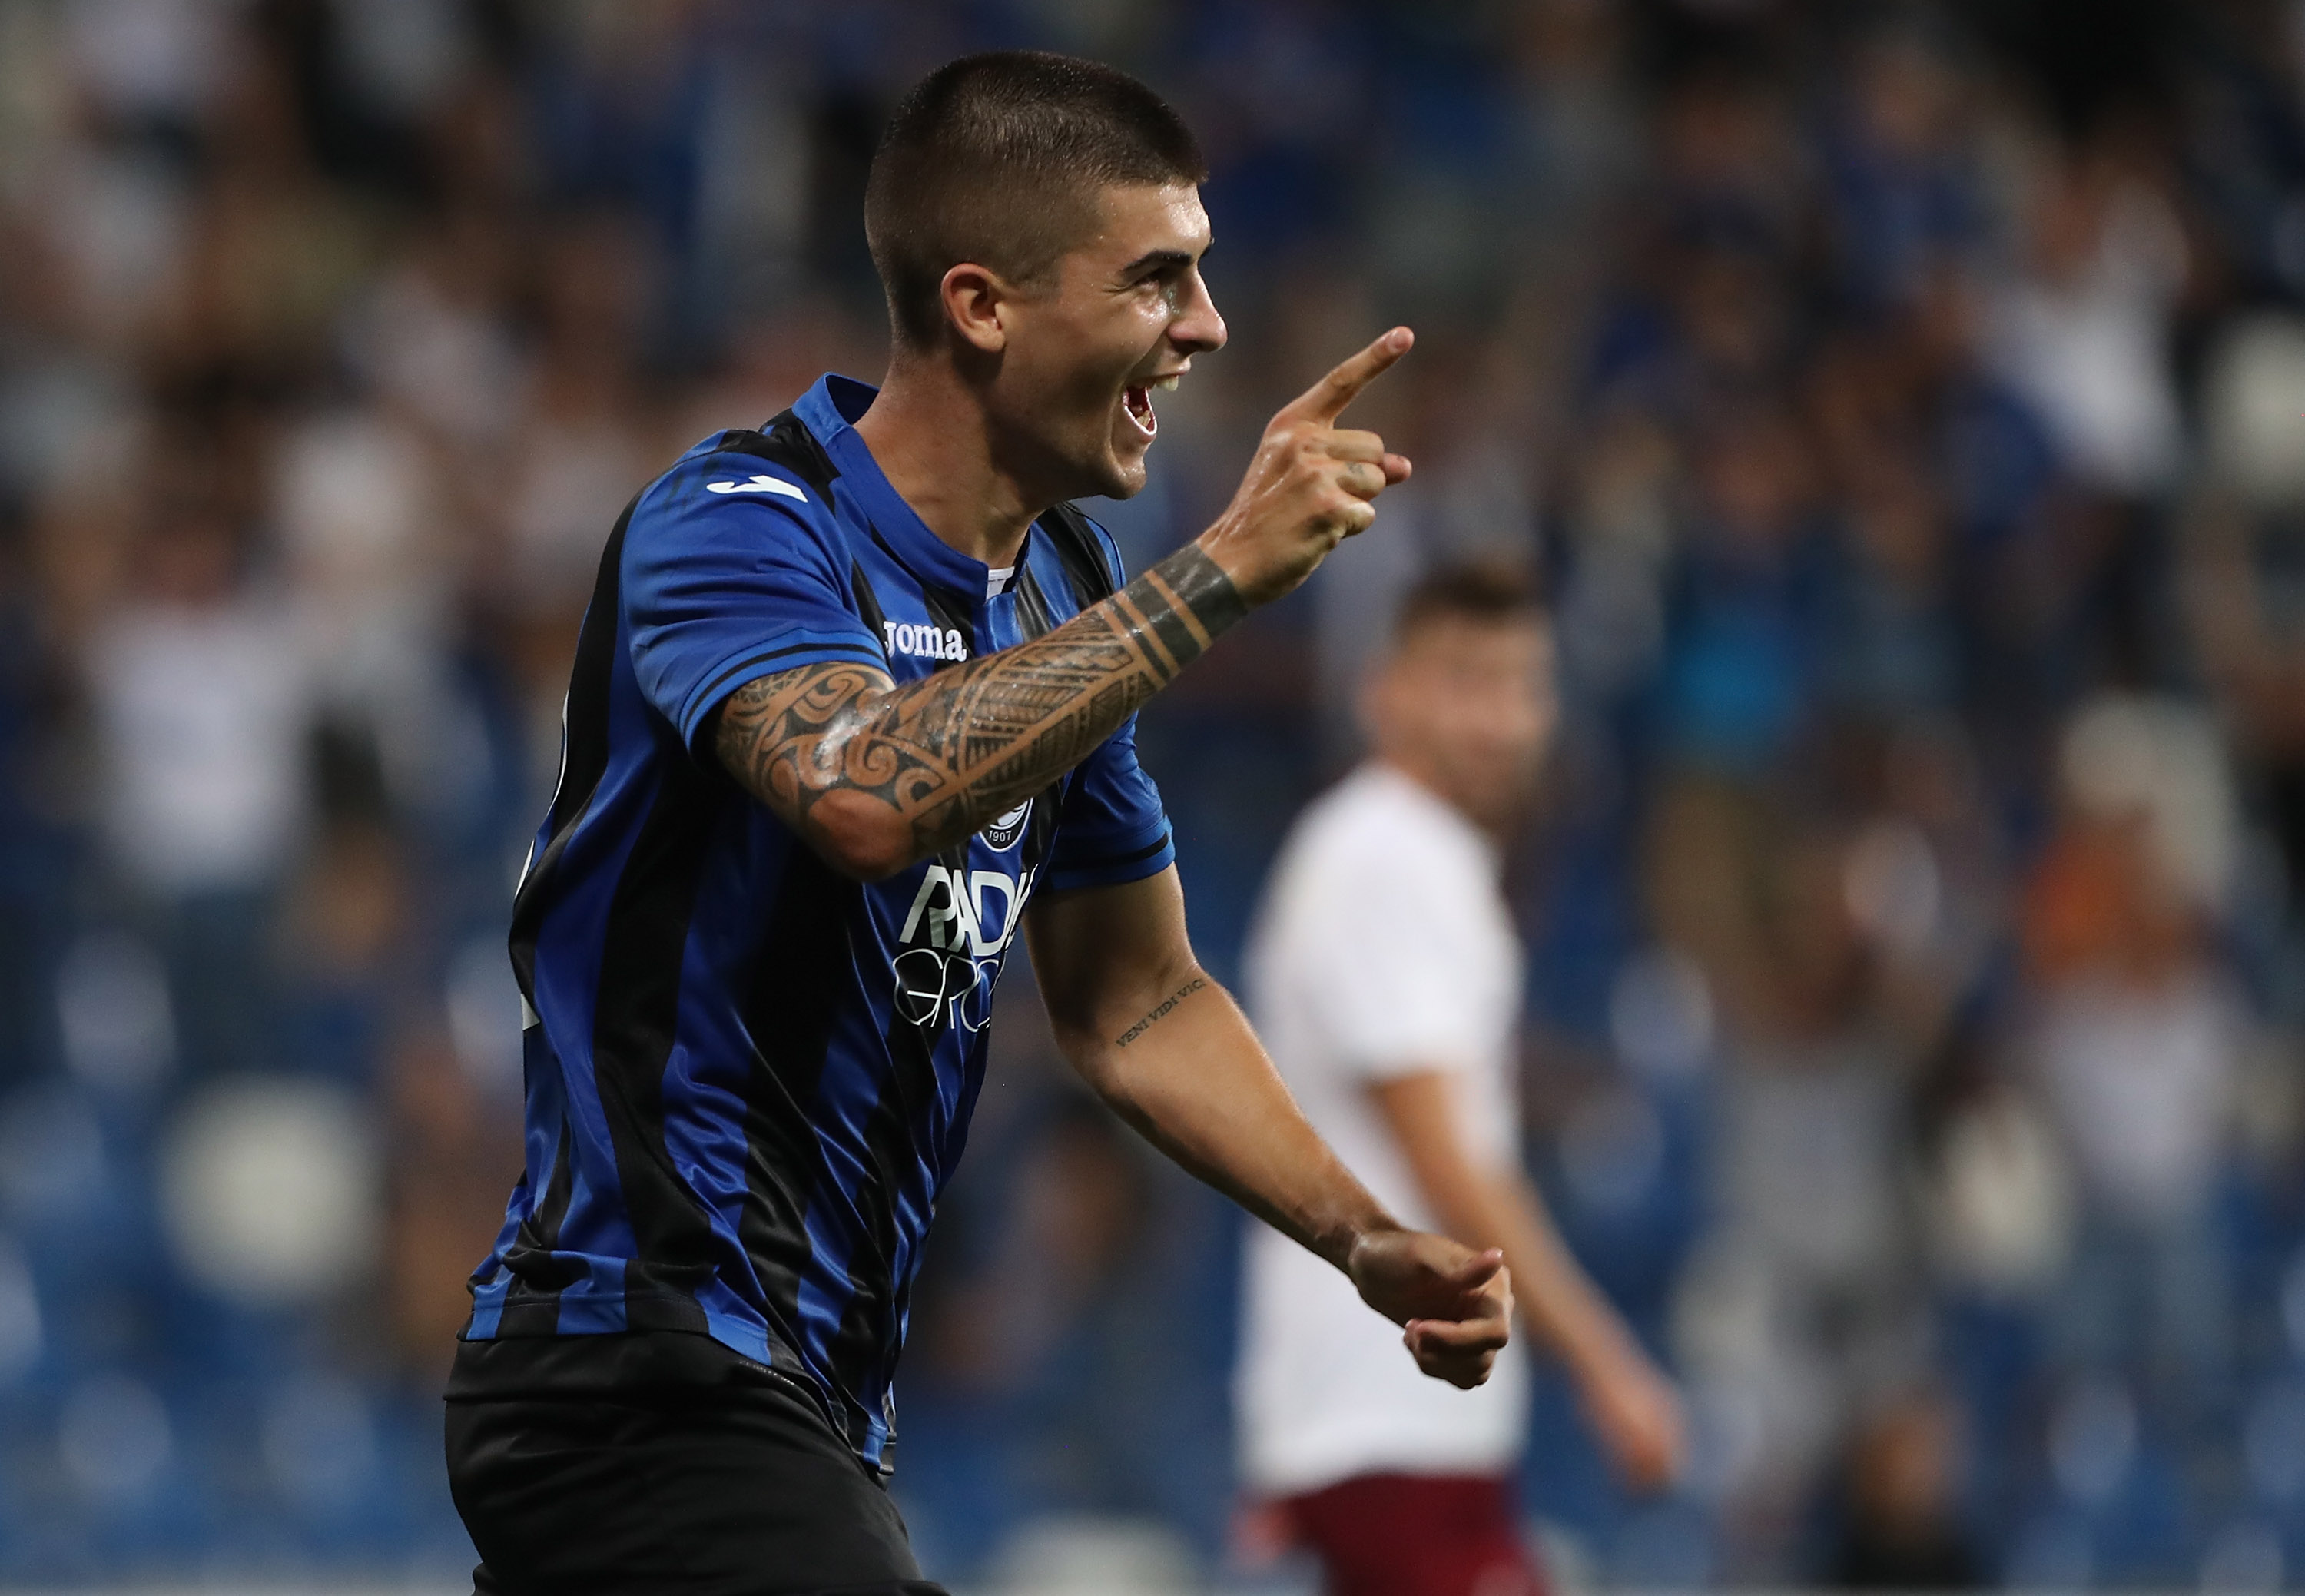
1476 1270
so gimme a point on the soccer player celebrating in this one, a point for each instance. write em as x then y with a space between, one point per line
853 704
1385 975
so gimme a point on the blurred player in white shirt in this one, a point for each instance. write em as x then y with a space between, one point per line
1385 979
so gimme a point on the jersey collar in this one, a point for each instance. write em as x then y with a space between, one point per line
829 410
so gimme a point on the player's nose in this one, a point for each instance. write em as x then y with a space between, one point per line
1199 329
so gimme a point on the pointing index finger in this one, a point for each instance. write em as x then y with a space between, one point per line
1326 399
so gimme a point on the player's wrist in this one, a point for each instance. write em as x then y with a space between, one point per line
1205 587
1356 1244
1222 547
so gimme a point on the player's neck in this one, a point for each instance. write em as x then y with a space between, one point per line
931 439
1424 774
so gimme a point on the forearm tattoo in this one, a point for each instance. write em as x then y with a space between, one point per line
949 752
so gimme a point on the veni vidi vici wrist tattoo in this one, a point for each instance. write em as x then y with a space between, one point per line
1161 1011
952 750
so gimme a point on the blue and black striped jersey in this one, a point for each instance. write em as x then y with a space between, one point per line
748 1077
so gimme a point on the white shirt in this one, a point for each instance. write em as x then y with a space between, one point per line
2143 1082
1383 948
204 715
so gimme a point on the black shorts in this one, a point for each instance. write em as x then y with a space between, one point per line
705 1491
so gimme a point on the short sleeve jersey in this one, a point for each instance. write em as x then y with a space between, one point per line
748 1076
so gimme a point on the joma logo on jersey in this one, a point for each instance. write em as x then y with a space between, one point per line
965 920
924 643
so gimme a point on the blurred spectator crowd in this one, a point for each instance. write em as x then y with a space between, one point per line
1903 406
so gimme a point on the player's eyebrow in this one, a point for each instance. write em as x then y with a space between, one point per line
1160 261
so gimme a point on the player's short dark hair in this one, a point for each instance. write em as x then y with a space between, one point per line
998 158
1485 592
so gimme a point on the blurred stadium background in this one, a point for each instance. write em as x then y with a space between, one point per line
1902 406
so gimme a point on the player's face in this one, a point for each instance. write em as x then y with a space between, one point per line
1084 361
1467 705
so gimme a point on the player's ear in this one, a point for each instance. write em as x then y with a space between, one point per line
973 298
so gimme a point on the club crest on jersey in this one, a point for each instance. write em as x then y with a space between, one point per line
923 642
1004 830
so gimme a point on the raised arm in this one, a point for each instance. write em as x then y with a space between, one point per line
875 776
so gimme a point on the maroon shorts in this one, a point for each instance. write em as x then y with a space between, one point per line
1416 1535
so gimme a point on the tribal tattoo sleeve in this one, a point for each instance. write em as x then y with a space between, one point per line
947 752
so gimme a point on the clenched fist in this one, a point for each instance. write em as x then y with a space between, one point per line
1454 1305
1312 485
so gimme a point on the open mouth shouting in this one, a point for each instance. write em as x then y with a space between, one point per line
1136 401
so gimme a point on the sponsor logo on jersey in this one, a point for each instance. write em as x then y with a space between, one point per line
759 485
956 938
923 642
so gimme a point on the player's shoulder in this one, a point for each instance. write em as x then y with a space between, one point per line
738 473
1376 820
1084 550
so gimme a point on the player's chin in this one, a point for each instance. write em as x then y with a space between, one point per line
1127 481
1118 469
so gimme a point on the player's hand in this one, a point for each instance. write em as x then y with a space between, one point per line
1312 485
1637 1417
1454 1305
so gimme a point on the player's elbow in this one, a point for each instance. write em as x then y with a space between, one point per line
861 837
